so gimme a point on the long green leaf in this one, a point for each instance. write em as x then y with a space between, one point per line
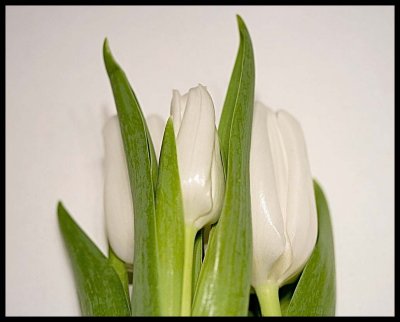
238 80
315 293
100 290
142 168
170 226
224 282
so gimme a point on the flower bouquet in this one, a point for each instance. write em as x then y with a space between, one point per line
204 220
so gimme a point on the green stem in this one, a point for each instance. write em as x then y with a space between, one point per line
268 297
186 308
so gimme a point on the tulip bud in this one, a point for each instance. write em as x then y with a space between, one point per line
284 216
118 203
199 160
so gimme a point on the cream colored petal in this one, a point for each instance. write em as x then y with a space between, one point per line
118 205
301 214
279 160
183 99
175 110
178 106
267 220
195 144
217 188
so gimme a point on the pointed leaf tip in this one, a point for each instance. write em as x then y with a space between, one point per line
170 123
241 24
59 206
239 20
109 60
61 211
99 288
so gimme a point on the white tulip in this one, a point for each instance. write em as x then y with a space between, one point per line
284 216
199 159
118 203
200 171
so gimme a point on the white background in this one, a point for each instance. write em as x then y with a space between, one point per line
331 67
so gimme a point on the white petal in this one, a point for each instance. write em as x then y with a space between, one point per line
267 221
195 145
156 127
178 105
301 211
118 204
279 160
217 188
176 110
183 99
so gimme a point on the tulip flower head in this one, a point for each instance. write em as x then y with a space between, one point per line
284 216
200 165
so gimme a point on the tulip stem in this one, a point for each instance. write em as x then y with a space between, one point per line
268 297
186 308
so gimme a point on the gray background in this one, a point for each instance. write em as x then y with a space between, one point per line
331 67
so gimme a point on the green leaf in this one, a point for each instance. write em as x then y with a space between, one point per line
170 226
142 168
285 295
242 76
197 257
100 290
120 268
224 282
315 293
